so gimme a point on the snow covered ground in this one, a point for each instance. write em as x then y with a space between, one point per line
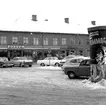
47 86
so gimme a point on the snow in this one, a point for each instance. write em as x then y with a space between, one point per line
50 67
99 85
47 76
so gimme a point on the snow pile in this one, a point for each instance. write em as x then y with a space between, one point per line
99 85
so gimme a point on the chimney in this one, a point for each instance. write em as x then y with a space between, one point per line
66 20
93 22
34 17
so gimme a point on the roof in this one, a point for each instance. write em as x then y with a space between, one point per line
97 28
38 32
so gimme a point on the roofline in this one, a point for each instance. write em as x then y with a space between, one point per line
11 31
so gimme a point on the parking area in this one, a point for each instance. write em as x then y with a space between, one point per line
38 85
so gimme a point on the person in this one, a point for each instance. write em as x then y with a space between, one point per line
99 69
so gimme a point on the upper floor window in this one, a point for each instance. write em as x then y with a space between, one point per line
64 41
35 41
14 40
45 41
87 42
55 41
72 41
3 40
25 40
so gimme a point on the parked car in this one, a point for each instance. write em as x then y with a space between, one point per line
4 62
68 58
80 70
49 61
73 62
22 61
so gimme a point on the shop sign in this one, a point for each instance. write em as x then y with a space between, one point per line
49 50
15 46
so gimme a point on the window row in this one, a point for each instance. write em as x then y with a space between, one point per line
36 41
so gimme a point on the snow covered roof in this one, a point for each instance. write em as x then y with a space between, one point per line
59 26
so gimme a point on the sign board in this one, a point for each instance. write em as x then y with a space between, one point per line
49 50
15 47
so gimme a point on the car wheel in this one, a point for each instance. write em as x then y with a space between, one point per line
57 64
30 65
71 75
42 64
21 64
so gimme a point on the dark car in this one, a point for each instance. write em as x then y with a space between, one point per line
4 62
77 71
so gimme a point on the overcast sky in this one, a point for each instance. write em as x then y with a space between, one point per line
16 15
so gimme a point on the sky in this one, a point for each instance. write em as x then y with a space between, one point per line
16 15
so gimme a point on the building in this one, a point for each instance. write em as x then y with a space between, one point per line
40 44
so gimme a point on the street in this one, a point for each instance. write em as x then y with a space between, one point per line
47 86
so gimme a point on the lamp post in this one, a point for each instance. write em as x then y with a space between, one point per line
49 51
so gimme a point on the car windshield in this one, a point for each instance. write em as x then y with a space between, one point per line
85 63
3 59
51 58
19 58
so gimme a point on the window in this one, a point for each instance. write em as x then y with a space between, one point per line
45 41
55 41
64 41
14 40
79 42
72 41
87 42
3 40
73 61
35 41
25 40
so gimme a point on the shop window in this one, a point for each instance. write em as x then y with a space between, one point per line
35 41
64 41
3 40
55 41
45 41
80 52
14 40
25 40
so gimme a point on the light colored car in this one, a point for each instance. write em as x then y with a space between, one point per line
49 61
68 58
22 61
74 61
4 62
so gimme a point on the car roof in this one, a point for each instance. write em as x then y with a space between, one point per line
78 57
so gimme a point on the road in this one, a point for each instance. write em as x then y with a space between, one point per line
47 86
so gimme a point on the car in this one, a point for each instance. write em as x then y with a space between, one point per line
22 61
68 58
83 69
4 62
74 61
49 61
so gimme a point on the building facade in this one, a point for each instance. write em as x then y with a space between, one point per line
40 44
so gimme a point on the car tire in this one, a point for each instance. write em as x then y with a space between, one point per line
30 65
57 64
71 75
42 64
22 65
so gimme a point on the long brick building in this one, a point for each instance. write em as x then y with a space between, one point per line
39 44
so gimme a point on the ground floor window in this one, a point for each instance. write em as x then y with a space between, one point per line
3 53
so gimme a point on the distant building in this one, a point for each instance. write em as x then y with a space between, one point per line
37 44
